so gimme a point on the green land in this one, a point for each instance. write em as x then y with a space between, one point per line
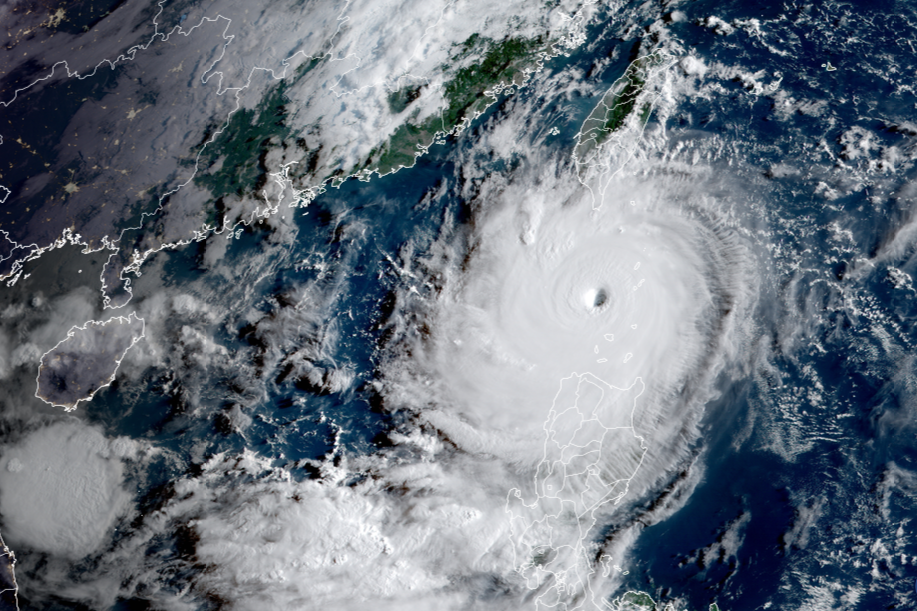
465 93
618 103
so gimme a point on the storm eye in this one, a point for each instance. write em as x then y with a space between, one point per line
595 298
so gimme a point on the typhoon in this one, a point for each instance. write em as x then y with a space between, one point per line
575 342
545 361
457 305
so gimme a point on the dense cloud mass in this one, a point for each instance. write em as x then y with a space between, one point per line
62 489
652 287
554 286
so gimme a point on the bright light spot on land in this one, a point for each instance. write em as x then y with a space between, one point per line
54 19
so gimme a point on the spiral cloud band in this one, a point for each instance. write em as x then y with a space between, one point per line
624 314
631 289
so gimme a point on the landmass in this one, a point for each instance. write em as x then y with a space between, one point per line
146 140
591 453
479 71
611 134
9 589
86 360
641 601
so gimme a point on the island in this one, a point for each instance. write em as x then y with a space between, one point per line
8 588
86 360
